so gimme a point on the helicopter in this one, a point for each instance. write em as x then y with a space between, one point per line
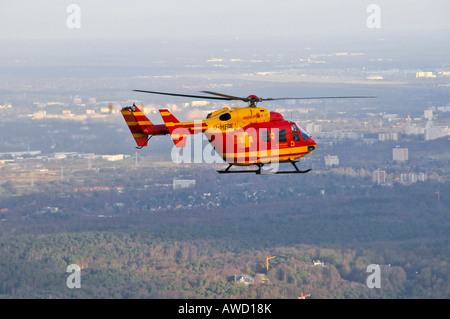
241 136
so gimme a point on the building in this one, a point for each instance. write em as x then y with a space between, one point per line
313 128
183 183
400 154
374 77
421 177
413 129
428 114
338 135
244 279
422 74
410 178
261 279
39 115
199 103
331 160
433 132
318 263
379 177
113 158
388 137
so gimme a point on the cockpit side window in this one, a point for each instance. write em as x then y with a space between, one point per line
295 135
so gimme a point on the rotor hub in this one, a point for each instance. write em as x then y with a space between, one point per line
253 99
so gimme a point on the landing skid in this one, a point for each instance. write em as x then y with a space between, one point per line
262 171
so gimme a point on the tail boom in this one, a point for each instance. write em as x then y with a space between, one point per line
179 131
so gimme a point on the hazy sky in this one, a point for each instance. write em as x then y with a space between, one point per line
25 19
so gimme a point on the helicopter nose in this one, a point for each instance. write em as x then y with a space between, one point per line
312 145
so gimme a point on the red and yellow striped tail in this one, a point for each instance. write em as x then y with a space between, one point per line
138 123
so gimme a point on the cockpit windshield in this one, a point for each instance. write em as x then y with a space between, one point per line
297 129
305 135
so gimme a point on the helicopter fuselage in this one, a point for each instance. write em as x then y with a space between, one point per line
240 135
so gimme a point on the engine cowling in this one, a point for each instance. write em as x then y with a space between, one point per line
274 116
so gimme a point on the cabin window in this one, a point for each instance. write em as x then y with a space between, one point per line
265 135
281 136
296 137
225 117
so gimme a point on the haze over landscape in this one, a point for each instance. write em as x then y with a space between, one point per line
75 190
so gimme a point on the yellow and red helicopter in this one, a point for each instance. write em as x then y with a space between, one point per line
242 136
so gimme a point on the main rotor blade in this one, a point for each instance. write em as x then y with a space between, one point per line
225 97
231 97
318 98
185 95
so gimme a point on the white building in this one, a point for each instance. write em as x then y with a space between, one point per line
433 132
428 114
313 128
183 183
413 129
422 74
388 136
409 178
113 158
421 177
400 154
379 177
244 279
331 160
200 103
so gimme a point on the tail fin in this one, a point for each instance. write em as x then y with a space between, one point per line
177 130
138 123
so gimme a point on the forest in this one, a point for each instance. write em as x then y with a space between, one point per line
123 264
157 242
